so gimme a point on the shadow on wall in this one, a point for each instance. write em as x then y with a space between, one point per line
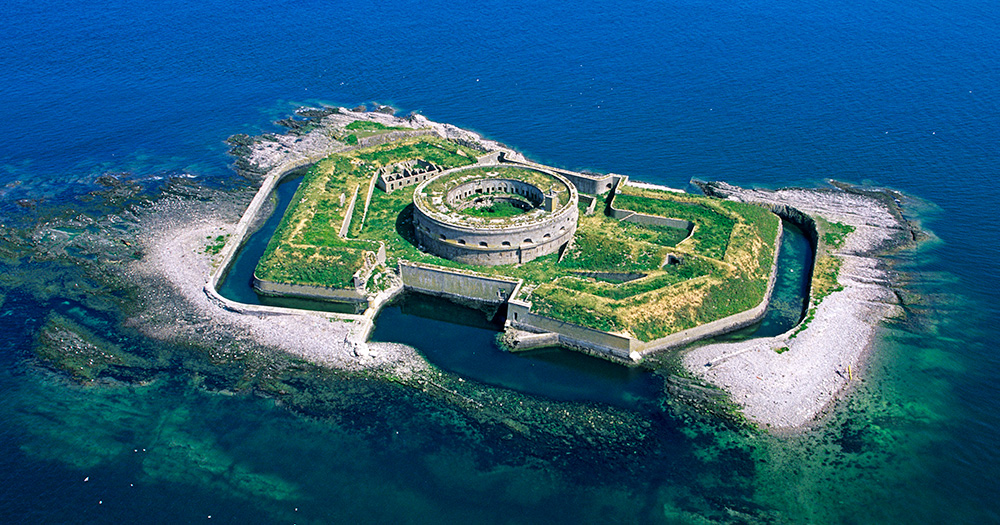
404 225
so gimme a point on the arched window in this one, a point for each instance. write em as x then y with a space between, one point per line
528 241
461 241
442 237
483 244
505 243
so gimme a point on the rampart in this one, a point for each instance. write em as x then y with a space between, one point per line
354 294
628 349
726 324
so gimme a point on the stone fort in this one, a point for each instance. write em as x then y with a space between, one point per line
541 214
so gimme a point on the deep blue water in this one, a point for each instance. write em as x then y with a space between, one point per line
893 93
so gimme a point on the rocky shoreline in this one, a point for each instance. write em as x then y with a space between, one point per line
787 381
774 390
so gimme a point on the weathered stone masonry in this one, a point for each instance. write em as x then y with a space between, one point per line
544 231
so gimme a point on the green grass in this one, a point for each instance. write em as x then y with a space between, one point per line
712 228
316 254
833 233
215 246
496 209
429 149
367 125
687 270
596 250
661 235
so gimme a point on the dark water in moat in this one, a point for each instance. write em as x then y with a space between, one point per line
900 94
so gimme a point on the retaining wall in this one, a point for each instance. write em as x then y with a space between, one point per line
453 283
307 291
618 347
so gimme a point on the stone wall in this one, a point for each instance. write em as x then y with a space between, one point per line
649 220
344 295
457 284
495 247
616 347
349 214
589 184
496 185
590 201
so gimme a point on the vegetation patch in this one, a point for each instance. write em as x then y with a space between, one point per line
833 233
654 234
497 208
713 223
824 279
215 245
368 125
700 287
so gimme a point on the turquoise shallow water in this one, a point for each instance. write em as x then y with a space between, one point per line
901 94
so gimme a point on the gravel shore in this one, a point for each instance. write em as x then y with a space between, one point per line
175 267
791 389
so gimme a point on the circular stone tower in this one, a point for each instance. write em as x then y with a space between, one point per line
491 215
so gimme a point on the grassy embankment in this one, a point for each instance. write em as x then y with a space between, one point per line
306 247
827 266
363 128
724 264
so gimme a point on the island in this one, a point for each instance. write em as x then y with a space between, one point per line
620 269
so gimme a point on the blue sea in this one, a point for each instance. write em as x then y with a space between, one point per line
769 93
